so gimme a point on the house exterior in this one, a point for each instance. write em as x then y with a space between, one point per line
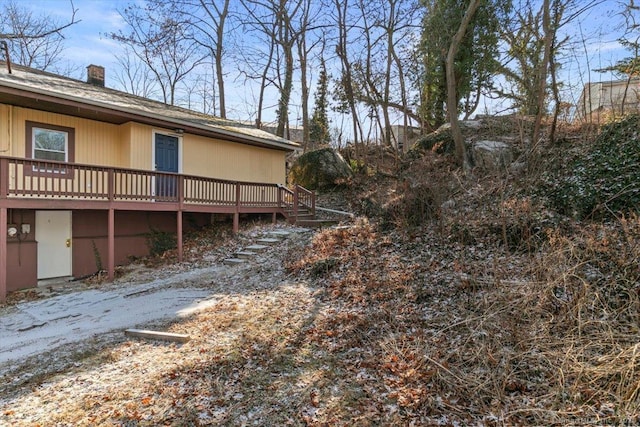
87 172
613 97
403 138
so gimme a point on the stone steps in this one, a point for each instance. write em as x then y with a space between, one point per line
316 223
262 244
234 261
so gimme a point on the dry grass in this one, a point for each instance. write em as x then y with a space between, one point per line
367 327
494 313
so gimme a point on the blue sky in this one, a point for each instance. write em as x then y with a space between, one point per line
87 42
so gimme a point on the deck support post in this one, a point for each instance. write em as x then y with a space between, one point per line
111 245
236 214
296 199
274 218
3 254
236 222
179 235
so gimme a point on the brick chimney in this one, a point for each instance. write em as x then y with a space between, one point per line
95 75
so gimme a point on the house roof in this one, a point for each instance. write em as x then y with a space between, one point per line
30 88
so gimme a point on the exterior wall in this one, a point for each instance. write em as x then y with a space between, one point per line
608 98
139 139
22 266
128 146
89 241
131 231
6 130
403 141
131 146
96 143
227 160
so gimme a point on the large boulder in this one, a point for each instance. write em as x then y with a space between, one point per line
493 156
320 169
441 141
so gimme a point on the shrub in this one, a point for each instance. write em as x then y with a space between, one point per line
160 241
604 181
440 142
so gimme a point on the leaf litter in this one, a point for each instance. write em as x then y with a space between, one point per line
509 316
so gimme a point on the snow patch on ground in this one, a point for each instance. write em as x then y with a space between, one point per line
37 326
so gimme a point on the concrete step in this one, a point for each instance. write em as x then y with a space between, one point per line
302 215
289 212
245 254
234 261
256 248
316 223
278 234
267 241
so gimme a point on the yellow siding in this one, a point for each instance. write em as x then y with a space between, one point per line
5 130
96 143
140 137
125 145
130 146
228 160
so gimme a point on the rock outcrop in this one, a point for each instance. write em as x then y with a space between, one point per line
320 169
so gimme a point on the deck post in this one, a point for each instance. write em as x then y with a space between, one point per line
294 217
3 254
236 214
4 191
179 234
179 217
111 245
4 178
110 184
274 219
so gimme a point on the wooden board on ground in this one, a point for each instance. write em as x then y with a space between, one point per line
157 335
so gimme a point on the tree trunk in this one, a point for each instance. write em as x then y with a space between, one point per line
543 71
218 58
341 50
452 98
263 84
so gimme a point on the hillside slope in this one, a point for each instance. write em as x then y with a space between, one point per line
453 299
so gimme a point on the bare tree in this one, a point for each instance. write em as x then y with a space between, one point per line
282 23
346 89
306 41
134 76
34 41
207 21
384 25
255 61
535 51
162 42
452 97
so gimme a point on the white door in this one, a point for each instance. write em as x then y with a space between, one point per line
53 234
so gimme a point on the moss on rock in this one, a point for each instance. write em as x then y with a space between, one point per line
320 169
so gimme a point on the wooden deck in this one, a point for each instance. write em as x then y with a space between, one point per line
35 184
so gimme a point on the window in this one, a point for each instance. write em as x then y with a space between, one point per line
49 143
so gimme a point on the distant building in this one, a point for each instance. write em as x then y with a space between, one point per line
404 138
294 133
613 97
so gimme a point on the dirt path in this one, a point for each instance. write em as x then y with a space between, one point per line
59 325
36 326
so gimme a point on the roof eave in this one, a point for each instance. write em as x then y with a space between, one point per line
151 118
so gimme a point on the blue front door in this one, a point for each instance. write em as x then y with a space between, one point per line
166 155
